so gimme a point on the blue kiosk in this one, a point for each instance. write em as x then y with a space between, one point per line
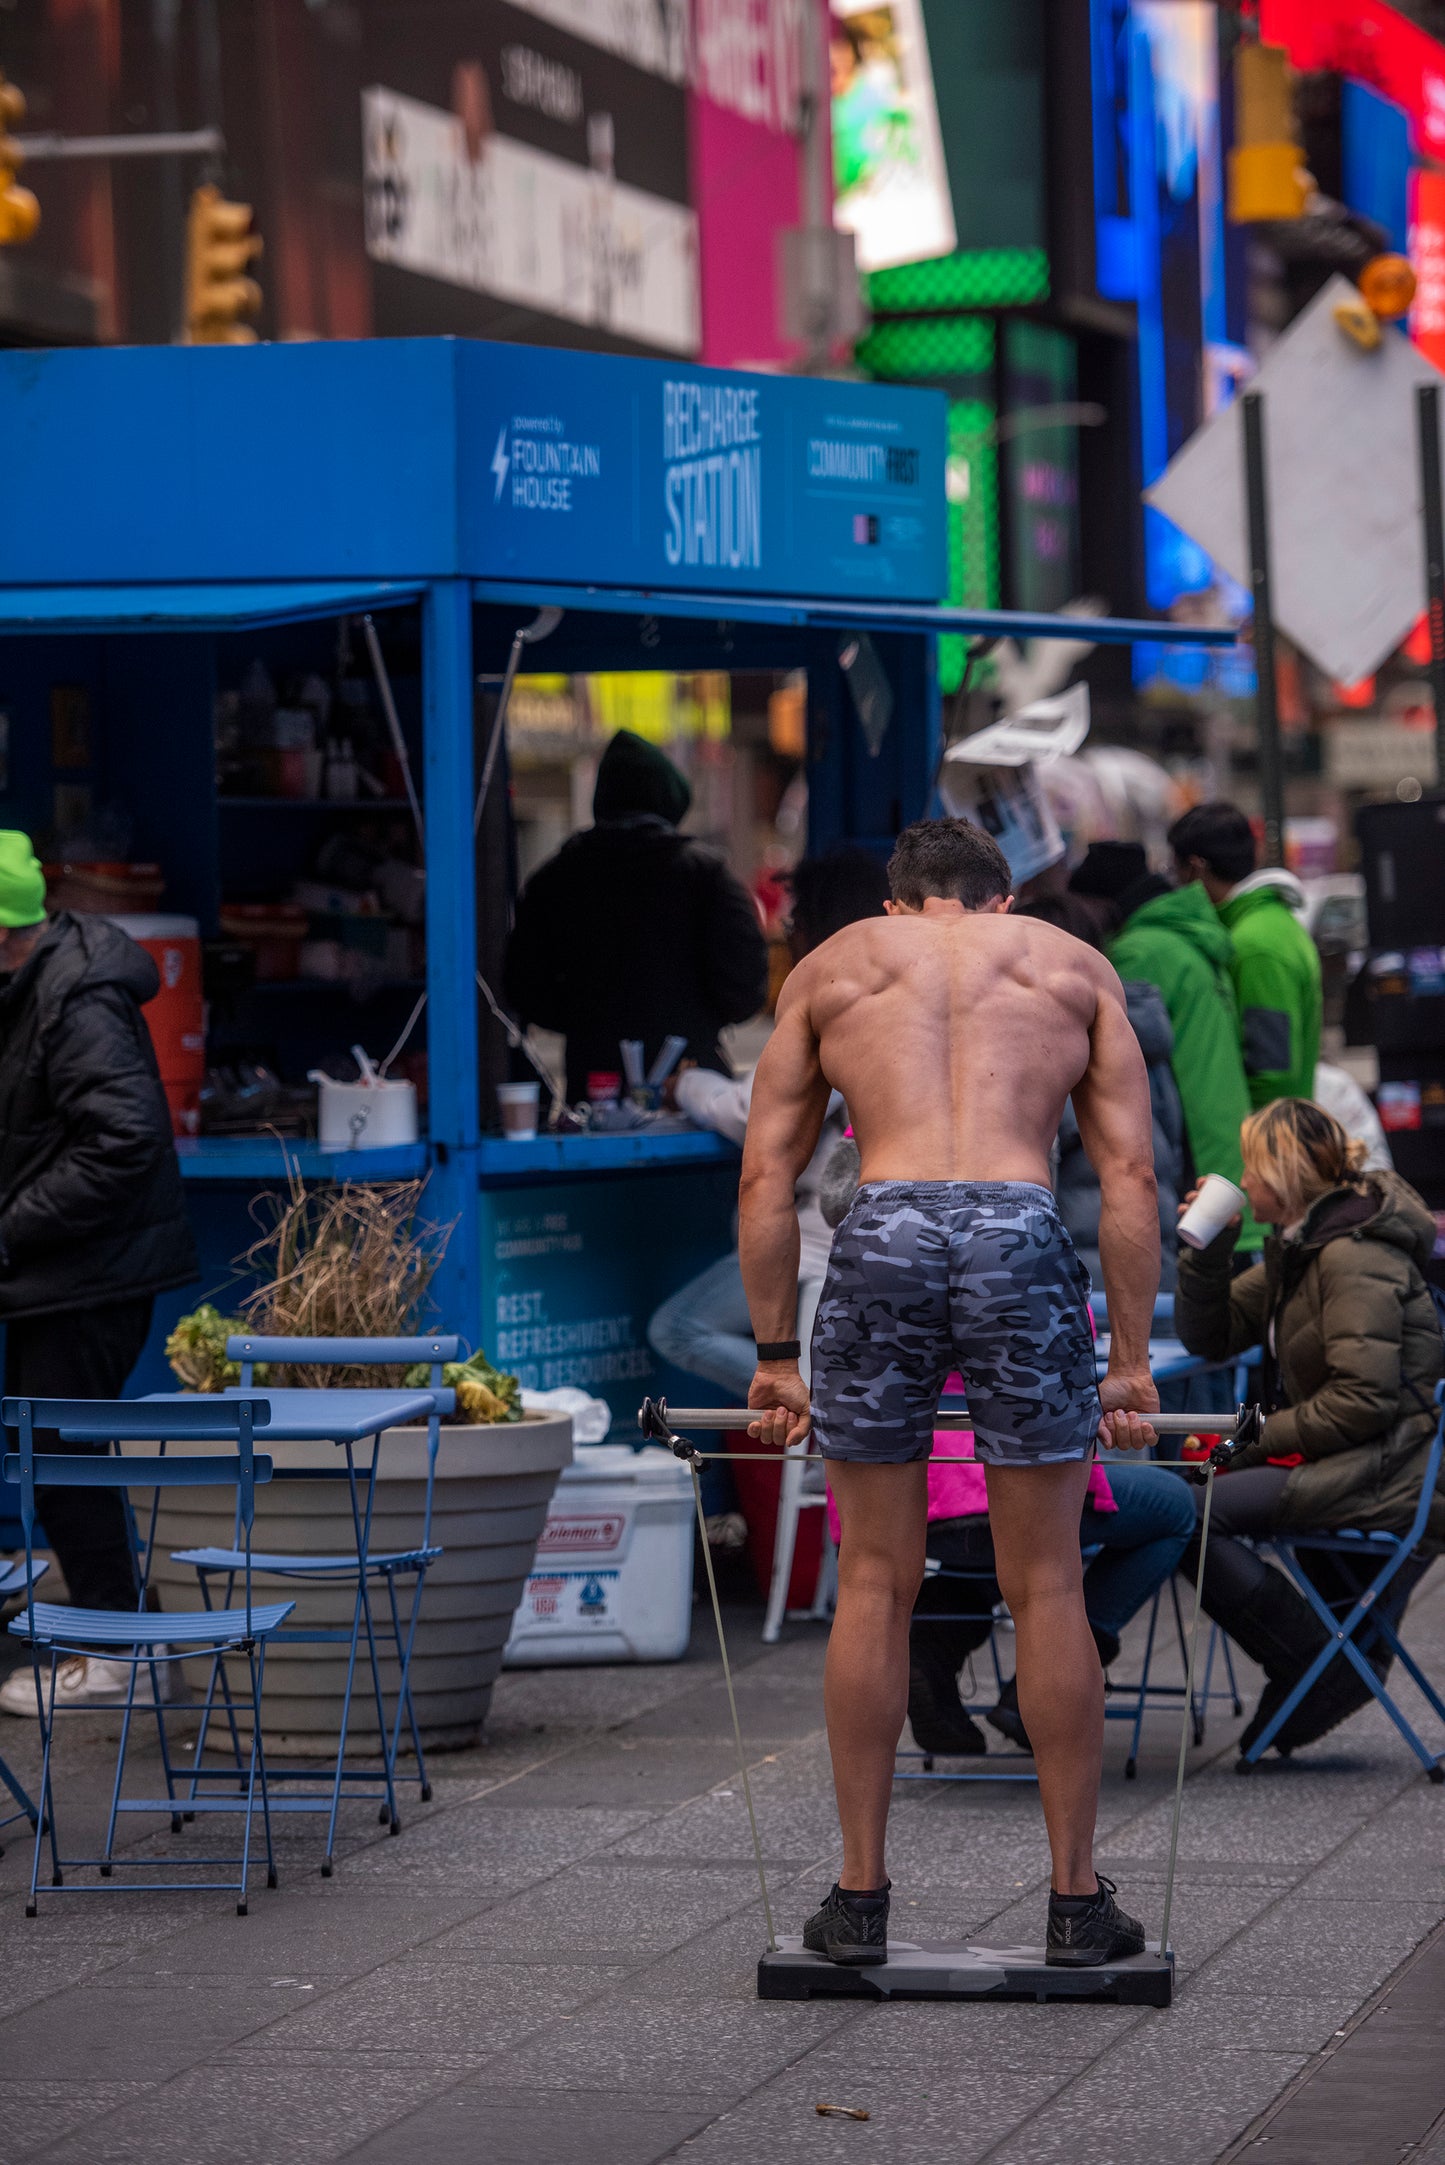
172 508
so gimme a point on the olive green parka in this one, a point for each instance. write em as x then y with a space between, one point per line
1353 1359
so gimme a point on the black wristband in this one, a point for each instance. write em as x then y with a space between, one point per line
779 1349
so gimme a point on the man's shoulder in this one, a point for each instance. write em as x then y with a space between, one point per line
1050 947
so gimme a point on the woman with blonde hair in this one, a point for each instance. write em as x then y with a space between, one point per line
1352 1354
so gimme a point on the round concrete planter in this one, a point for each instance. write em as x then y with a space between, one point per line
493 1486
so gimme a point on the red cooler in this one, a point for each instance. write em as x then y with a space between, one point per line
176 1015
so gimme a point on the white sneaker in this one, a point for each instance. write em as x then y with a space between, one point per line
81 1680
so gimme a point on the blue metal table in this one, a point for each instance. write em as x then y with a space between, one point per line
347 1419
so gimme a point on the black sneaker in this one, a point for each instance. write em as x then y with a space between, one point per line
850 1928
1084 1935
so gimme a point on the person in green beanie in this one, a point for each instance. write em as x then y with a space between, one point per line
92 1220
22 891
1275 964
634 930
1171 937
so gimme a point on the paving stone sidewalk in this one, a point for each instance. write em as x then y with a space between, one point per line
554 1962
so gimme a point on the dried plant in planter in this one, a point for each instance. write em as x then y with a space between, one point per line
350 1261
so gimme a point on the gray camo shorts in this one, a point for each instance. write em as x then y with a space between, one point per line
928 1276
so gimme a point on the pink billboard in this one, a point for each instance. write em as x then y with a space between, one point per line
749 72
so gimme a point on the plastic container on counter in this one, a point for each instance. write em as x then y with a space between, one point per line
612 1579
176 1016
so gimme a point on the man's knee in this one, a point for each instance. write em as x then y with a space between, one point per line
1028 1579
881 1576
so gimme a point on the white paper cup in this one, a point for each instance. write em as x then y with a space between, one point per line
518 1104
1217 1202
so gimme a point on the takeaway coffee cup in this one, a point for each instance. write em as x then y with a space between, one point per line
518 1104
1217 1202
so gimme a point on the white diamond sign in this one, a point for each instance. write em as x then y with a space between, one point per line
1343 476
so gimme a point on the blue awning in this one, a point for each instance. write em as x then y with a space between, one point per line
844 615
193 608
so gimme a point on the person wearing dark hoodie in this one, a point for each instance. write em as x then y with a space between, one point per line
1275 965
634 930
1352 1355
1171 938
92 1220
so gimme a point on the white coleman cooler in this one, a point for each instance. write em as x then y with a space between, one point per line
613 1575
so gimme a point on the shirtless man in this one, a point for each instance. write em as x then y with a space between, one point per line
955 1032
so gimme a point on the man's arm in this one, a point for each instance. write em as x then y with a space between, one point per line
790 1099
1111 1105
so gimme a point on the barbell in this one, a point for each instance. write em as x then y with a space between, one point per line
660 1423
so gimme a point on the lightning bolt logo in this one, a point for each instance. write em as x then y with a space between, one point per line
500 462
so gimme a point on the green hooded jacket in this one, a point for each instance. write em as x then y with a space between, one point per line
1177 942
1276 972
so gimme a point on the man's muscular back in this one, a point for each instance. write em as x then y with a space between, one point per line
955 1038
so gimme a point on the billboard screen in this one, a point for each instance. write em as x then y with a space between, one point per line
748 74
890 181
526 174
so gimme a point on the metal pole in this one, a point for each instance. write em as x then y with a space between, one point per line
187 143
737 1417
1427 414
1271 764
453 1194
1187 1722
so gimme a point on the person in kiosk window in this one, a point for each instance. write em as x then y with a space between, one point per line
954 1033
635 930
92 1220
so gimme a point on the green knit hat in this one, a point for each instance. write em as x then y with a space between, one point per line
22 883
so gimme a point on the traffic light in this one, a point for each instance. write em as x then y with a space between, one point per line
219 293
1267 175
19 211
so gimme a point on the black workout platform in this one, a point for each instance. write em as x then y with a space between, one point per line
934 1970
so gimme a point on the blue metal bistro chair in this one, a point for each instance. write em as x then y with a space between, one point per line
13 1580
362 1570
134 1637
1377 1557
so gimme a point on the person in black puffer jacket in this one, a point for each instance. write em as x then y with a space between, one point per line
92 1220
634 930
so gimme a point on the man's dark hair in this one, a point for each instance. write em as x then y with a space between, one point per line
835 890
948 857
1221 835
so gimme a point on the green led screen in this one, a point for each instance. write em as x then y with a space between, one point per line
973 561
970 278
906 352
